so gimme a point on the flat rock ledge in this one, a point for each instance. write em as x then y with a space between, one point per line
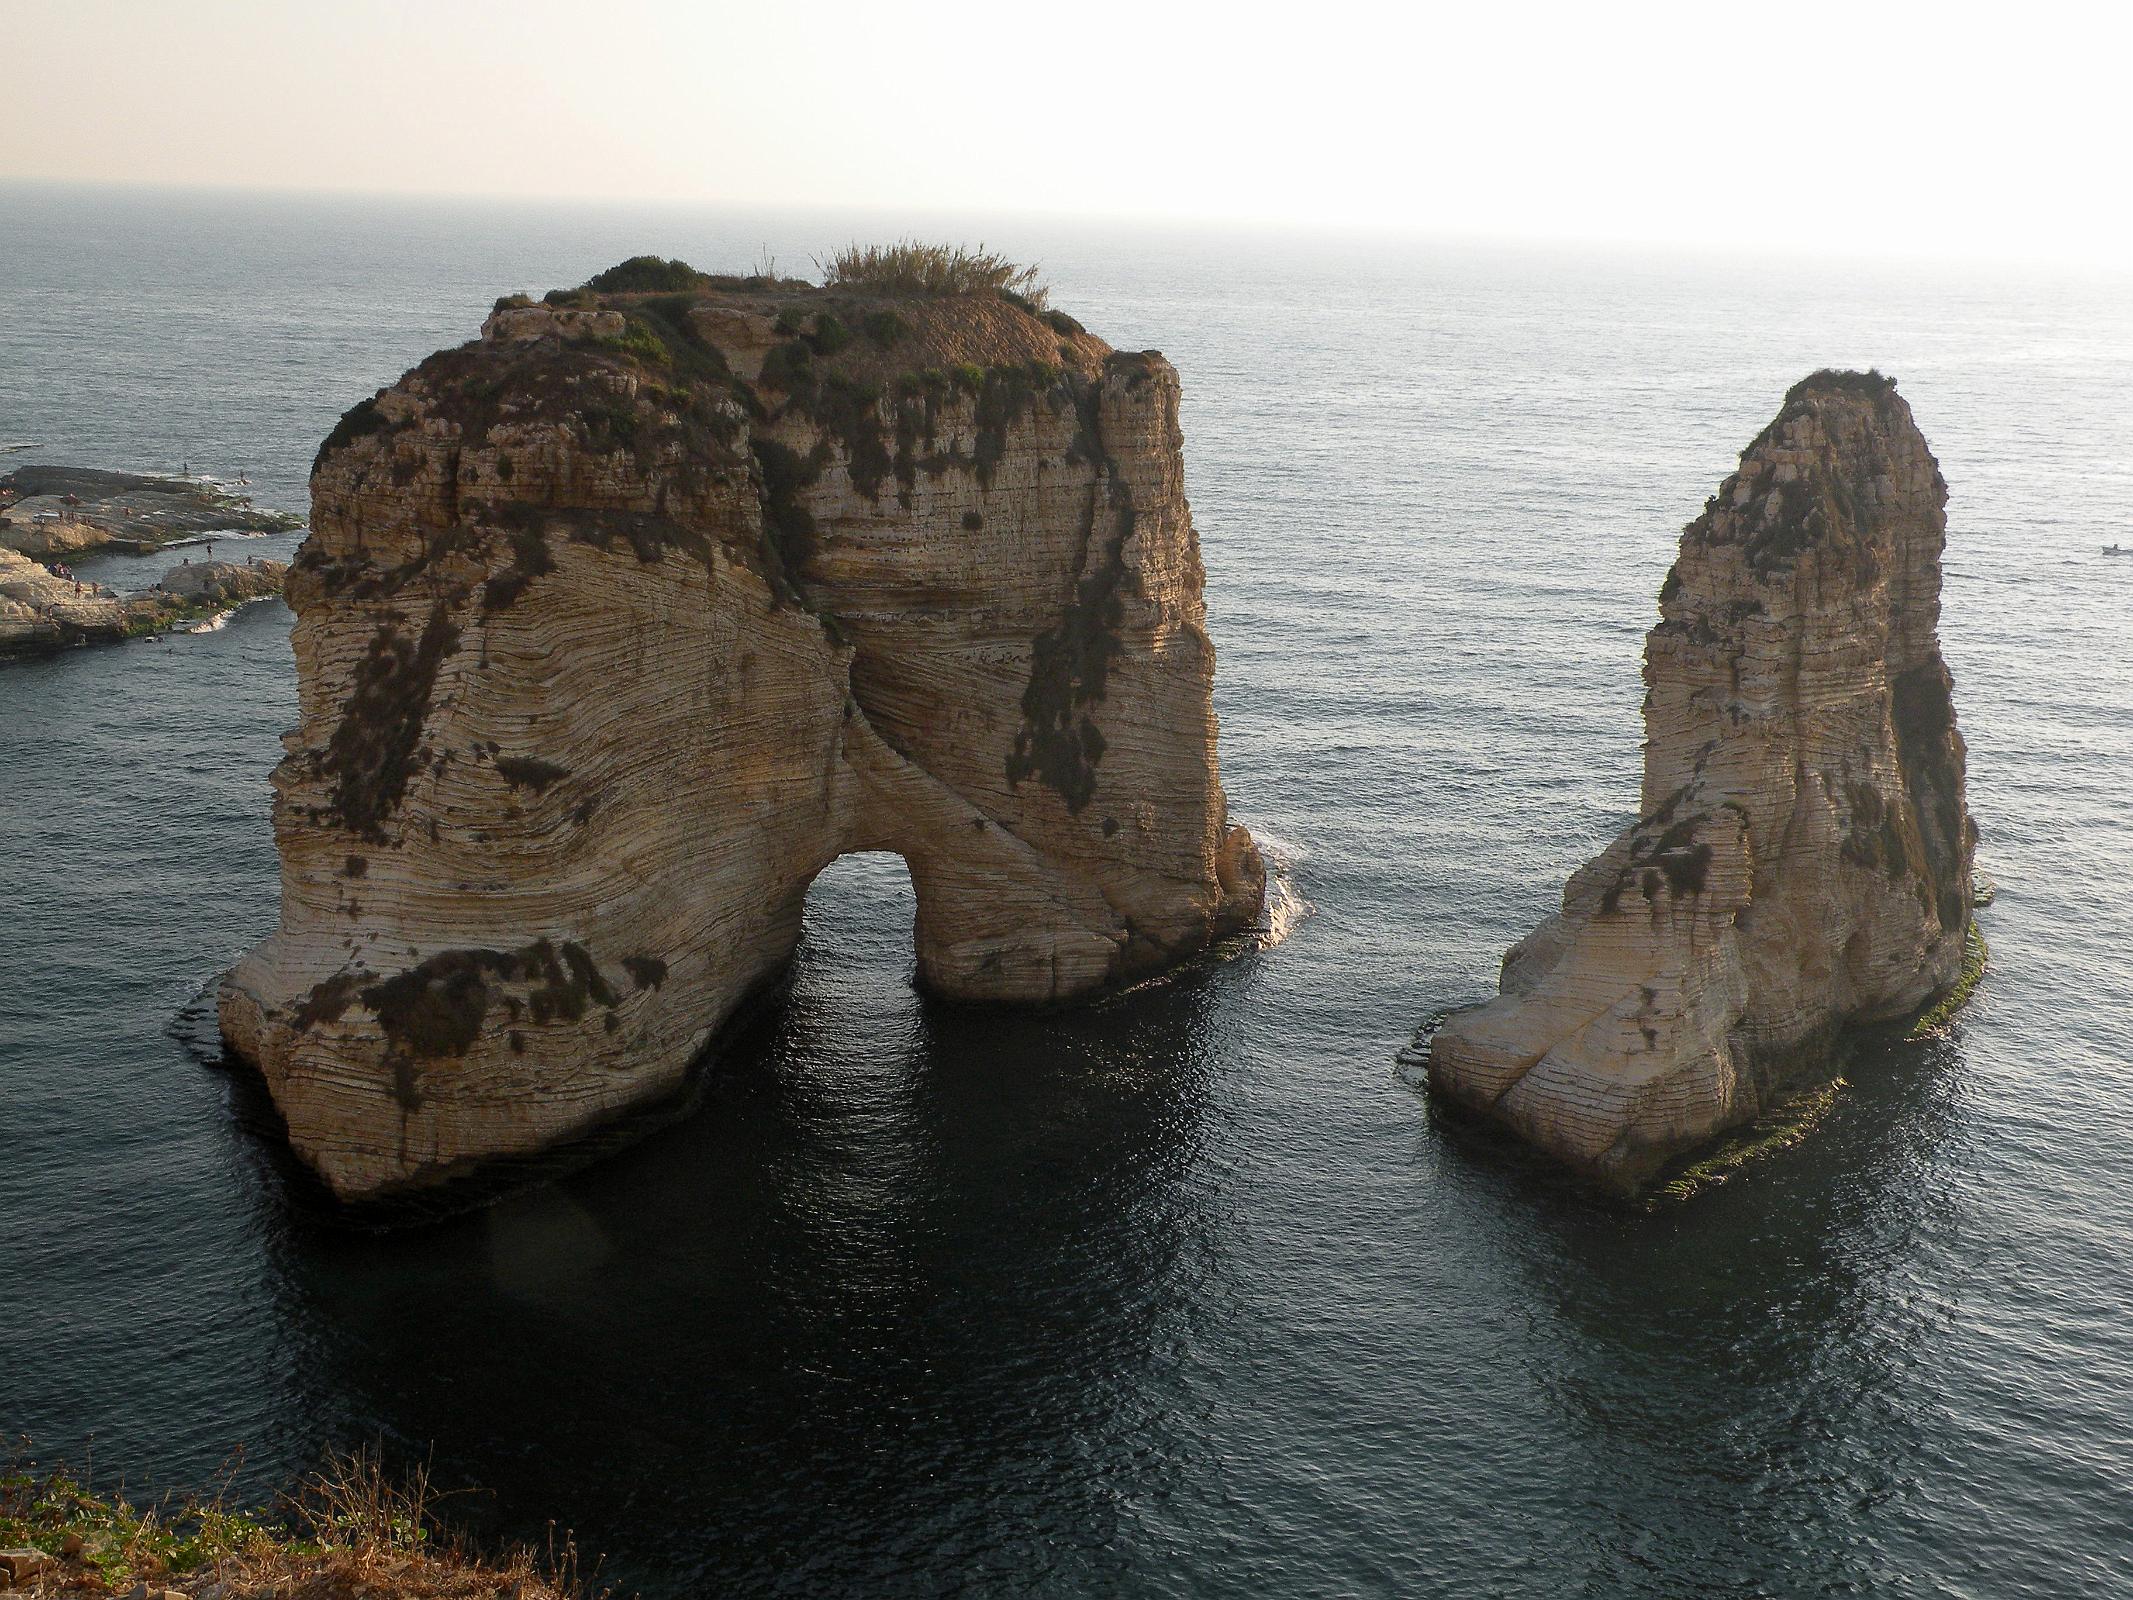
41 612
1803 860
617 626
59 513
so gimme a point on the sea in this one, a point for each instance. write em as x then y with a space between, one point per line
1190 1292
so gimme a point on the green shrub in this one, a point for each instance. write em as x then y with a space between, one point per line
789 322
1060 322
513 302
639 340
789 366
647 275
831 335
884 327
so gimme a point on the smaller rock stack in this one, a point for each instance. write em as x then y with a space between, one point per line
1803 859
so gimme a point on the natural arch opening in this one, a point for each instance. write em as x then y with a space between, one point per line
857 955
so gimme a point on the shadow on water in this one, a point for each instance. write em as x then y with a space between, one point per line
1736 1363
899 1274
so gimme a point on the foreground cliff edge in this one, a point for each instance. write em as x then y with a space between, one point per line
1803 859
618 625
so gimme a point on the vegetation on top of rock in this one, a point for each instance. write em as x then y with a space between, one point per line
513 302
361 418
648 275
1976 956
1872 383
910 268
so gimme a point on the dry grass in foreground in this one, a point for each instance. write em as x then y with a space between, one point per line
348 1532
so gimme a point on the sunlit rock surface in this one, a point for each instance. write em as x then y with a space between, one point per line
619 624
1803 857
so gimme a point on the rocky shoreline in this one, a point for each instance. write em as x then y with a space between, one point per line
42 612
50 513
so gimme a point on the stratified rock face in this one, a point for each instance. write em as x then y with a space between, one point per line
617 626
1803 859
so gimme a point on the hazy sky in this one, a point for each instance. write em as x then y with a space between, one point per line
1932 128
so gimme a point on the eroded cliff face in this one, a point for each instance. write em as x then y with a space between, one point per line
1803 858
618 625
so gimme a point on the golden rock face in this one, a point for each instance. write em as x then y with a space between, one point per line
1804 855
618 625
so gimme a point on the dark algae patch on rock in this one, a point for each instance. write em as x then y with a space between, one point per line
530 772
372 752
436 1010
1059 743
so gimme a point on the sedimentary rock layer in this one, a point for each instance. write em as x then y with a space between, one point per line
1803 857
618 625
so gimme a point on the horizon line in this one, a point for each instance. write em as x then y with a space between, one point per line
1787 250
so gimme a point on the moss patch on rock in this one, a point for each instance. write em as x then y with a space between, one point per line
1976 957
1778 1129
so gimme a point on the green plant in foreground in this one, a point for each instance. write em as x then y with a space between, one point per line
347 1529
119 1542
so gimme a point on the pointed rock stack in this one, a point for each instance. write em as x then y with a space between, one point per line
1803 856
617 626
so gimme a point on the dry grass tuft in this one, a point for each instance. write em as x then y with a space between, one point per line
910 268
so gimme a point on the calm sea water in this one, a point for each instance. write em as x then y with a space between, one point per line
1186 1294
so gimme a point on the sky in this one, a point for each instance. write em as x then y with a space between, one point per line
1879 128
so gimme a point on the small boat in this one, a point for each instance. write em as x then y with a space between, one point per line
2112 550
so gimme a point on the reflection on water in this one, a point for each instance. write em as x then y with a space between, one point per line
913 1232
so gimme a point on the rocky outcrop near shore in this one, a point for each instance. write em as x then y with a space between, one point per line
59 513
41 612
618 626
1803 858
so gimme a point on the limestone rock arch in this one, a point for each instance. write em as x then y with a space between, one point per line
618 625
